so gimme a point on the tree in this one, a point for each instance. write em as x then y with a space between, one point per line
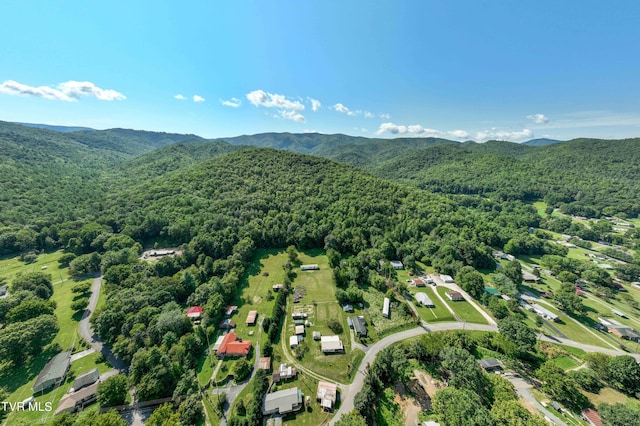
37 282
505 285
241 369
513 270
335 325
512 413
471 281
462 371
587 380
559 385
190 411
624 374
518 332
163 416
113 391
292 255
567 298
80 304
619 414
460 407
19 340
30 309
599 363
351 419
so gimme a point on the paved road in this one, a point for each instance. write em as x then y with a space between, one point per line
522 389
87 333
348 392
232 391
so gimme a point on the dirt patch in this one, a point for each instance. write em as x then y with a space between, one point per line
410 403
428 383
529 406
257 299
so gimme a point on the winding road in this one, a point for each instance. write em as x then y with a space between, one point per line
86 330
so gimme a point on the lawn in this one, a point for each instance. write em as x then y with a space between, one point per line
399 317
462 308
566 362
10 266
439 313
540 207
610 396
78 367
319 302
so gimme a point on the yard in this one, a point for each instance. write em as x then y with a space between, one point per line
10 266
399 317
462 308
320 305
438 313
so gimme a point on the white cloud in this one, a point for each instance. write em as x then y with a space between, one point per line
458 134
513 136
367 114
270 100
341 108
309 131
412 130
538 118
315 104
385 116
292 115
197 98
233 102
69 91
179 97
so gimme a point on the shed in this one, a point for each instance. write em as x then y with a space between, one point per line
529 277
299 329
347 307
310 267
293 341
386 307
396 264
317 335
447 279
251 317
265 363
492 291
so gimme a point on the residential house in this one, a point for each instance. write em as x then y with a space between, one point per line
282 402
53 373
347 307
592 417
396 264
86 379
386 306
454 296
72 402
419 282
299 330
447 279
293 341
528 277
265 363
544 312
359 326
194 312
310 267
327 395
285 372
424 300
331 344
277 287
232 346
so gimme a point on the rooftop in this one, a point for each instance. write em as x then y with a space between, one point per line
55 369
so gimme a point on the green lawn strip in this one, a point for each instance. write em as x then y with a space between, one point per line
205 368
463 308
77 368
68 319
577 352
573 330
611 396
566 362
212 416
387 411
10 266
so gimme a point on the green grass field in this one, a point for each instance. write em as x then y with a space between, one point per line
439 313
540 207
463 308
566 362
379 326
10 266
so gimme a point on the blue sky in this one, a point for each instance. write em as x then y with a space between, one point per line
456 69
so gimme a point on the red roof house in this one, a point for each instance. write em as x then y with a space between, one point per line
232 346
194 312
592 417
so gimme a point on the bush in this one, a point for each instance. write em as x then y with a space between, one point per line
80 304
335 325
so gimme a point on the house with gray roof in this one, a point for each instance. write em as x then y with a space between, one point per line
282 402
53 372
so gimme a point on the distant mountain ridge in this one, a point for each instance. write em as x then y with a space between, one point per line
541 142
54 127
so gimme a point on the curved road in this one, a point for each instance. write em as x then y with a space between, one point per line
348 392
87 333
